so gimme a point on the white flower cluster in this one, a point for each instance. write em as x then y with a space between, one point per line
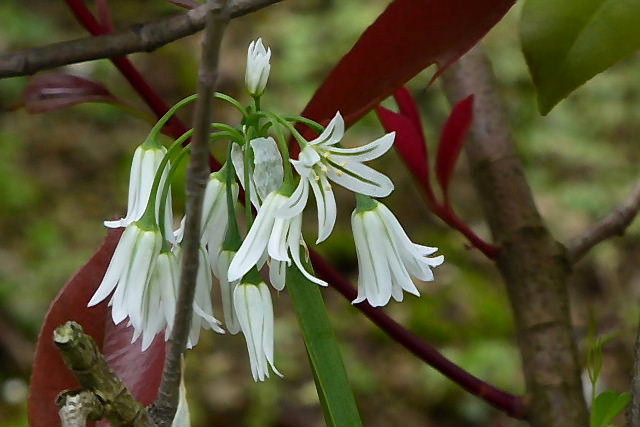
144 270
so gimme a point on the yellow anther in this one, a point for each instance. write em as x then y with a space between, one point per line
339 172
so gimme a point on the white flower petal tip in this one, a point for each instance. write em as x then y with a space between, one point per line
388 260
258 68
255 315
144 166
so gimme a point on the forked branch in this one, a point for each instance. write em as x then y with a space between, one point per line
612 225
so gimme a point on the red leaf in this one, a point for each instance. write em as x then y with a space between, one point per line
139 370
409 36
452 140
408 107
53 91
409 142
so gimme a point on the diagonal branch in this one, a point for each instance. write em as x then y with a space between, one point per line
514 406
197 176
138 38
612 225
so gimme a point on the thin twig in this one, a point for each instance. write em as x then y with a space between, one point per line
82 356
633 412
612 225
77 407
197 176
514 406
139 38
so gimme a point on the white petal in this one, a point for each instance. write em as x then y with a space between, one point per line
375 234
226 291
268 173
307 158
181 418
278 240
237 157
365 267
277 274
294 241
364 153
256 241
326 205
295 203
249 309
267 337
119 263
332 134
360 178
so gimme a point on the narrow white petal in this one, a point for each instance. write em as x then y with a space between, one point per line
277 274
307 158
256 241
294 241
268 173
237 157
326 206
365 267
119 263
295 203
374 233
333 133
267 331
364 153
360 178
226 291
278 241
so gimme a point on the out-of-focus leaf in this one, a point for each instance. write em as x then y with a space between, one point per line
409 142
452 140
607 406
53 91
139 370
406 38
568 42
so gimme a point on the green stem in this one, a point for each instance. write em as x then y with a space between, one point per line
274 119
231 101
317 127
232 240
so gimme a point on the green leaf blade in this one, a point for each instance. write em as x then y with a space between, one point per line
607 406
329 373
568 42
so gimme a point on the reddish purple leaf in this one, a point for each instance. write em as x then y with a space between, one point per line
452 140
409 108
409 142
139 370
409 36
53 91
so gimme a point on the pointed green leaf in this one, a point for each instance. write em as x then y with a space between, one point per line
335 394
607 406
568 42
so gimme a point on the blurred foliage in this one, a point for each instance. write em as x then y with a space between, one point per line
63 173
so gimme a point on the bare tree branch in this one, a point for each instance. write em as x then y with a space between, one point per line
82 356
197 176
612 225
139 38
532 263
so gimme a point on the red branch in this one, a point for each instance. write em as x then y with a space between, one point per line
514 406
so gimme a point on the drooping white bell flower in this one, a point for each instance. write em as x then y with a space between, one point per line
253 306
277 230
129 273
320 161
144 166
215 215
258 68
387 259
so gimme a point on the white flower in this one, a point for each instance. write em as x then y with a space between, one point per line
320 161
226 290
129 273
387 258
146 160
277 230
266 174
257 68
255 315
215 215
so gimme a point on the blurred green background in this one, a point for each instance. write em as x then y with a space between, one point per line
62 173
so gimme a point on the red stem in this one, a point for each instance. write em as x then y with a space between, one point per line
514 406
175 127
